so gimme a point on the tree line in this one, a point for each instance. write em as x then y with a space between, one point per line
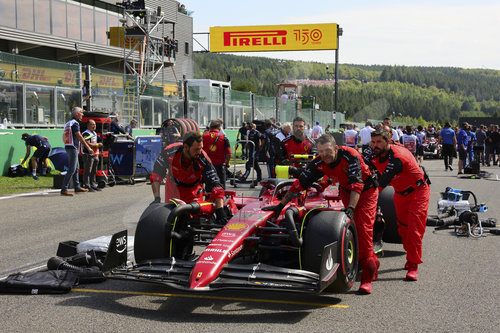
436 94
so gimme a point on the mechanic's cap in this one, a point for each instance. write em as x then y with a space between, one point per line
317 123
24 136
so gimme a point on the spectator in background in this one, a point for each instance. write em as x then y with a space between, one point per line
90 158
395 134
479 146
308 131
242 135
317 131
170 133
327 129
72 138
420 144
129 128
365 137
284 96
270 147
351 137
448 139
495 143
462 147
285 131
471 141
42 145
253 151
216 146
116 127
490 147
409 141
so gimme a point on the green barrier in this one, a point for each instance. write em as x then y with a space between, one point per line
13 149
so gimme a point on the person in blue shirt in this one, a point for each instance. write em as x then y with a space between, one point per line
448 139
471 141
42 145
462 143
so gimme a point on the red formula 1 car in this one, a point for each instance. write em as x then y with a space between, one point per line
310 247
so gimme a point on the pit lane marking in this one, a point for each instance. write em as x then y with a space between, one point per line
325 305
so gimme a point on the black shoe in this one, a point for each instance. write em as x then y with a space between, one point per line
460 173
451 169
91 189
95 188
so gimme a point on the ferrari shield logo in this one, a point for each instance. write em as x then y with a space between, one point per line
213 148
306 148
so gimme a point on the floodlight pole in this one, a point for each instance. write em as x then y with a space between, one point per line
339 33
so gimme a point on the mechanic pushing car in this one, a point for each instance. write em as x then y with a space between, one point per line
297 143
397 167
187 167
358 190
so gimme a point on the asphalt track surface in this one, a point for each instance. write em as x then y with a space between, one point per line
457 291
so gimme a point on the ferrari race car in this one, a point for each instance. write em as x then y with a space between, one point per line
310 247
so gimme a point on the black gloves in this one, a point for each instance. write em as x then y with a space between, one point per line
349 212
156 200
220 216
277 208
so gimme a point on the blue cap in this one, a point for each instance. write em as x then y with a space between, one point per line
317 123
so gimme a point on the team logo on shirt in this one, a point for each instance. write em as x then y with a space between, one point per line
213 148
306 148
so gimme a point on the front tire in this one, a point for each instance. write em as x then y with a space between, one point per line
325 228
152 235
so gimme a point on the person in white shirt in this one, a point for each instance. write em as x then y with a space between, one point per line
395 134
410 141
308 131
351 137
365 137
317 131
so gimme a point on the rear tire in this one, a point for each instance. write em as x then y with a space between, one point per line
152 235
386 203
325 228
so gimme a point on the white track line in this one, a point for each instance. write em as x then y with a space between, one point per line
29 194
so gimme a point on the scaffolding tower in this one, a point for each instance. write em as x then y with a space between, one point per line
145 37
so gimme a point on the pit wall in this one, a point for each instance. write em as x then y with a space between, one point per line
13 149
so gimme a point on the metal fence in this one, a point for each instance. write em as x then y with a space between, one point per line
41 93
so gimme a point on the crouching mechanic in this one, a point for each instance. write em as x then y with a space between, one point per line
397 167
186 168
359 193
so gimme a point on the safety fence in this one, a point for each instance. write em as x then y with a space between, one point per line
36 93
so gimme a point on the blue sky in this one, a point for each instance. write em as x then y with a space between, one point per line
413 33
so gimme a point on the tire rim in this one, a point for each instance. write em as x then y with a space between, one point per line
349 252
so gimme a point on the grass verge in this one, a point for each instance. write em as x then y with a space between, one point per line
16 185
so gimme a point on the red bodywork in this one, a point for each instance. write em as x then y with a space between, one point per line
245 223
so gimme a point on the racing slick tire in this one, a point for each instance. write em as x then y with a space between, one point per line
325 228
152 234
386 203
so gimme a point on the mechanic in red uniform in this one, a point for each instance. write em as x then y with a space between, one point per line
397 167
359 193
216 146
186 168
297 143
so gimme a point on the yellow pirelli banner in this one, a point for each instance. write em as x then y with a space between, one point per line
274 38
